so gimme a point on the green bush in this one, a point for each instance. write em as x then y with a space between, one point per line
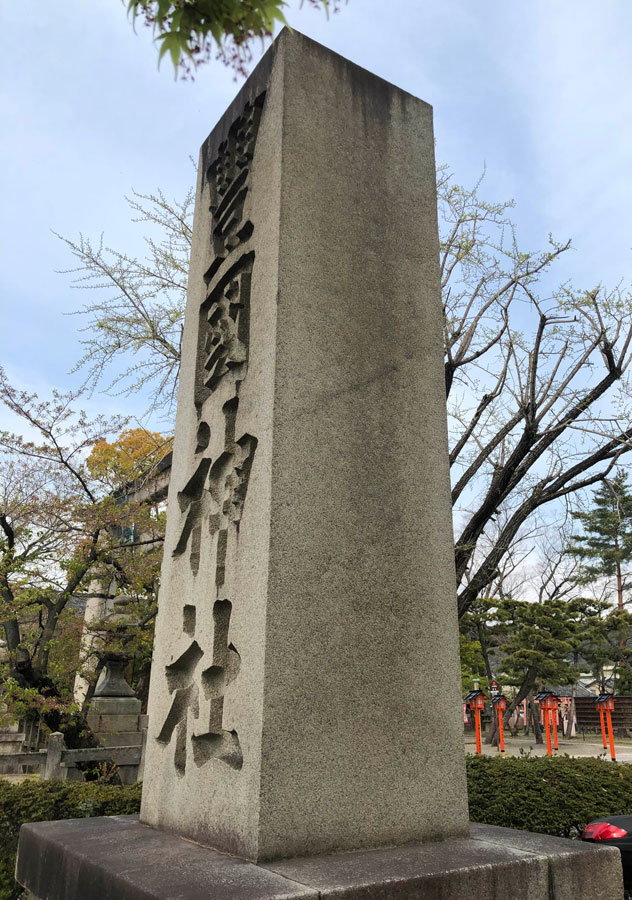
558 795
41 801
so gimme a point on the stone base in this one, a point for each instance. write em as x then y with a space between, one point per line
118 857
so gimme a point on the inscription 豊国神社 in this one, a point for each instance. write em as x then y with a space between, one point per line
212 500
225 313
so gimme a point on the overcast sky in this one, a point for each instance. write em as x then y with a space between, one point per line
538 91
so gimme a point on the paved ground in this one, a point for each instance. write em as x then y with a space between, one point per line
573 747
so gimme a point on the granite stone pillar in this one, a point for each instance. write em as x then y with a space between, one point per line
307 613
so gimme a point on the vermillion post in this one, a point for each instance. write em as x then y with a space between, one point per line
556 745
475 702
501 732
547 729
499 703
602 722
613 755
477 728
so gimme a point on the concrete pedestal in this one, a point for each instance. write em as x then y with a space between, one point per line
120 858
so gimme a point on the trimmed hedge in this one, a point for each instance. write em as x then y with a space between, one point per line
556 796
41 801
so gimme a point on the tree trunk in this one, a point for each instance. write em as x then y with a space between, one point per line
619 588
534 718
484 650
571 717
525 689
11 634
491 737
42 653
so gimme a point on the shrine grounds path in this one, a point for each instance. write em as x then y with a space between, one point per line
577 746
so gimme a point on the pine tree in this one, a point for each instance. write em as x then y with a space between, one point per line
605 547
537 643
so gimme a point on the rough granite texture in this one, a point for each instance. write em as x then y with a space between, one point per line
118 858
573 871
339 576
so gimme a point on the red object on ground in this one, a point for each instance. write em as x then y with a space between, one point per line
602 831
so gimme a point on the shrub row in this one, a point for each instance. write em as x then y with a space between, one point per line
554 796
558 795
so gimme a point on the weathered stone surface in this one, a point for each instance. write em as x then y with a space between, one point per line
307 604
454 869
11 741
575 872
12 737
116 722
112 682
120 858
108 723
115 706
116 858
121 739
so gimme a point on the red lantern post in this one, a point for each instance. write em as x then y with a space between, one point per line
554 713
549 704
499 703
605 705
602 723
475 701
547 729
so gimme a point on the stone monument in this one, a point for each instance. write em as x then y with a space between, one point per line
305 696
114 713
307 611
